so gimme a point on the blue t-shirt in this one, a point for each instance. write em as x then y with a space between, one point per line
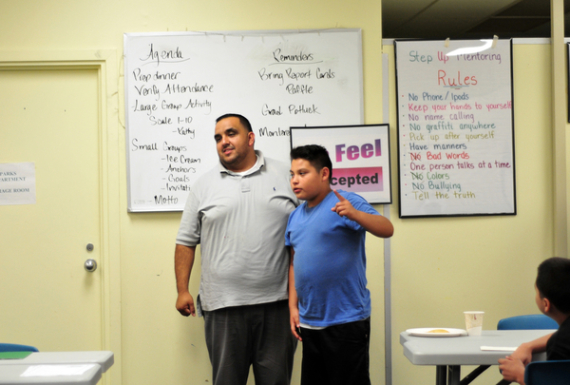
330 262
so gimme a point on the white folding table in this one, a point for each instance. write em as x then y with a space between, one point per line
42 368
103 358
449 353
19 374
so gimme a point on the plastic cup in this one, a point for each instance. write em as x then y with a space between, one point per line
474 322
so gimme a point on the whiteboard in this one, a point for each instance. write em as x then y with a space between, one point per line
455 128
177 84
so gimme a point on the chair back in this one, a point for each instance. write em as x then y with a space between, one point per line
527 322
16 348
547 373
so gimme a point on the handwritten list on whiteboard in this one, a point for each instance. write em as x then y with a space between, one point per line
177 84
455 128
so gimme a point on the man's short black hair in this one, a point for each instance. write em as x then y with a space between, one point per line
553 282
242 119
317 155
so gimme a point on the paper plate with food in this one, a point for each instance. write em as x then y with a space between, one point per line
437 332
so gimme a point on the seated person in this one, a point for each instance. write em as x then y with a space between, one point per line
553 299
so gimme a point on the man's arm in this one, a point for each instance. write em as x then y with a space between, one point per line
183 262
375 224
293 299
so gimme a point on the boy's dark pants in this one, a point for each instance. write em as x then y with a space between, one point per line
337 354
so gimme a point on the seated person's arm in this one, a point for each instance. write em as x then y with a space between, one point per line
374 224
513 366
525 351
512 369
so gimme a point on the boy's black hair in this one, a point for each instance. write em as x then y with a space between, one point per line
317 155
553 282
242 119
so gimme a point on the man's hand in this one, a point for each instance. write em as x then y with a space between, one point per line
512 369
185 304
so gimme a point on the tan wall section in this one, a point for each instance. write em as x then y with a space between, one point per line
440 266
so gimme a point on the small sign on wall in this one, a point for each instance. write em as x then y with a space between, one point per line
360 157
17 183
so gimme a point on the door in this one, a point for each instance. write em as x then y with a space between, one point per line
47 298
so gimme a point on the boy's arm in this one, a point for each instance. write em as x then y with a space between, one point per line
512 369
513 366
375 224
525 350
293 300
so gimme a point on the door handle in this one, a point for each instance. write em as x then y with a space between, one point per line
90 265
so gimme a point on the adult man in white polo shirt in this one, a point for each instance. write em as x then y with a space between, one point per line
238 213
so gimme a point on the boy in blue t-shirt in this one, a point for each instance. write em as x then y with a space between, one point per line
329 303
553 299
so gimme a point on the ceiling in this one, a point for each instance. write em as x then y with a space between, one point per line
466 19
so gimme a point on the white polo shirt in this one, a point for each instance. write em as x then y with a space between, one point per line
239 220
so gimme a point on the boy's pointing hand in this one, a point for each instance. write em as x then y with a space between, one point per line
343 207
373 223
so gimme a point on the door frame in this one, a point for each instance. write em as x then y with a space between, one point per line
105 63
